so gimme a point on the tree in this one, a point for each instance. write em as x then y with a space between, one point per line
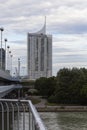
68 87
45 86
69 84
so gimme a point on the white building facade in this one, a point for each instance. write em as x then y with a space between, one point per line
39 54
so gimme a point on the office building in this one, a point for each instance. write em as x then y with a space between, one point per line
39 54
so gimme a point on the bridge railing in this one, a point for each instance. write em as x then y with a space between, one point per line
4 90
19 115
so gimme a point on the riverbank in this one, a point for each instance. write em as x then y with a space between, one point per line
62 109
43 106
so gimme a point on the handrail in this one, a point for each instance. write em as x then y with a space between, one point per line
38 123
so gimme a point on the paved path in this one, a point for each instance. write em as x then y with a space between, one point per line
42 102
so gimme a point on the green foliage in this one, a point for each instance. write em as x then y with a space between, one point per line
27 83
45 86
70 83
68 87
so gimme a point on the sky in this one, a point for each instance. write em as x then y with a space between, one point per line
66 21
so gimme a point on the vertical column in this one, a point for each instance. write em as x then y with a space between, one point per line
18 67
28 54
1 29
30 61
11 64
7 56
39 53
49 56
28 40
45 56
36 57
42 54
5 52
33 57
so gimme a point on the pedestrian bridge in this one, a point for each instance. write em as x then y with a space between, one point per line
6 78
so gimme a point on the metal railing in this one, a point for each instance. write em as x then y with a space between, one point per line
19 115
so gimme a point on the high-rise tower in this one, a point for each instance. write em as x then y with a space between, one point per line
39 54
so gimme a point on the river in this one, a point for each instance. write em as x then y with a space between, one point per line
65 120
57 121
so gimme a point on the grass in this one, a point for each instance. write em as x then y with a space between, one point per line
62 105
34 100
51 104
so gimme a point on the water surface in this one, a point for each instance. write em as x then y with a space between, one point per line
65 120
54 121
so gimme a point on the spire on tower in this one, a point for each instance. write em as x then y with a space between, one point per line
43 29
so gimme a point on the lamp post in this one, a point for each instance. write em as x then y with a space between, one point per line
14 74
5 51
19 76
23 67
18 67
8 57
8 47
11 64
1 29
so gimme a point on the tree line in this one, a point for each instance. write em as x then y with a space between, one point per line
68 87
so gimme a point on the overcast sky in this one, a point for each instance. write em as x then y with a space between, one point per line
66 21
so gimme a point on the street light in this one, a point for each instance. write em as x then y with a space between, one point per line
14 74
5 51
18 67
8 57
8 47
11 64
23 67
1 29
9 52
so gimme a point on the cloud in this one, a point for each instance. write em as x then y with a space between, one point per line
69 50
18 42
66 21
71 58
62 16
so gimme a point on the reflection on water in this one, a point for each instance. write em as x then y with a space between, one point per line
50 120
65 120
54 121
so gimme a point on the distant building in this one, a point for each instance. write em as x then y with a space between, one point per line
3 58
39 52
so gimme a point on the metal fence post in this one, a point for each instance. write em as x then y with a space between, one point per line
2 115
